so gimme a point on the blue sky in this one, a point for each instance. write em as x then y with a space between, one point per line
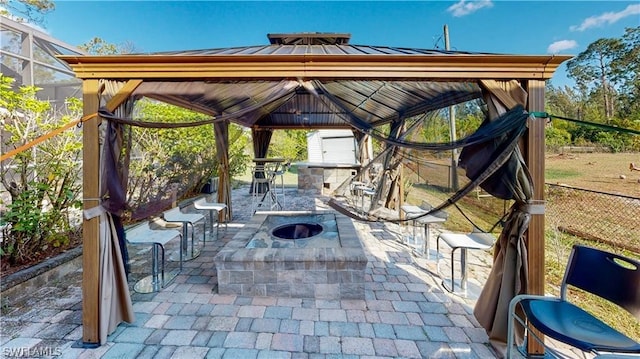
512 27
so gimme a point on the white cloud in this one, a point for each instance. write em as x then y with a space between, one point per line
606 18
462 7
561 45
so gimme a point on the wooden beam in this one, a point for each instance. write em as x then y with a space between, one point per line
123 94
534 158
91 227
256 67
503 96
318 72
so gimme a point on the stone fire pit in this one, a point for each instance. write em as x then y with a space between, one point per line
301 254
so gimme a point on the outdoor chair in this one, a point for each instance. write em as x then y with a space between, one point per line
362 190
416 213
477 239
609 276
262 190
279 189
214 208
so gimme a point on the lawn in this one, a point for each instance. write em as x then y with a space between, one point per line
606 172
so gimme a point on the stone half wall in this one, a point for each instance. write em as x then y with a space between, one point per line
321 273
323 178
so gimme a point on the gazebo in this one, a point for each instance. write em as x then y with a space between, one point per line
306 80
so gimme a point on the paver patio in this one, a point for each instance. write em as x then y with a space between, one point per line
405 313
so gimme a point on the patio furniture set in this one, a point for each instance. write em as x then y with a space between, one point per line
462 242
144 234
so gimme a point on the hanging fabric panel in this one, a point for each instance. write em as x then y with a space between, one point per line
221 130
508 276
115 299
261 141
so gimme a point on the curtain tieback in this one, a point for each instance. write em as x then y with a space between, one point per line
94 212
533 207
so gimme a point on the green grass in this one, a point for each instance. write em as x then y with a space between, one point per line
290 178
483 212
560 174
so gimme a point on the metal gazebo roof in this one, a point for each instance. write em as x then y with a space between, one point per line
379 83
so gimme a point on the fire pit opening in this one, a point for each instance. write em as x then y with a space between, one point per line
297 230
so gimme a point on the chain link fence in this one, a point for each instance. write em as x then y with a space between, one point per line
592 215
431 173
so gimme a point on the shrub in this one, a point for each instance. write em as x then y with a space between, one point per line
43 182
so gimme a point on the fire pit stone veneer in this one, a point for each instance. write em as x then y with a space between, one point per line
319 271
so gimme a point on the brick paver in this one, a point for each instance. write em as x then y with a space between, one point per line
405 312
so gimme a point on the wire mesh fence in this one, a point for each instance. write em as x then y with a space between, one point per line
593 215
432 174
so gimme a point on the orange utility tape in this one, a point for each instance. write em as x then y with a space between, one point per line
42 138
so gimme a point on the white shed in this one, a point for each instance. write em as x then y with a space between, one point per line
332 146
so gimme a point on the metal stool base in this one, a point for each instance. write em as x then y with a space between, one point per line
148 285
189 255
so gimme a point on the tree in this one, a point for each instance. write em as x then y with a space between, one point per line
98 46
627 70
31 11
289 144
607 90
595 69
562 101
185 156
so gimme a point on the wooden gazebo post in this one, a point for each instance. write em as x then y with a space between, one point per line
91 94
91 227
534 150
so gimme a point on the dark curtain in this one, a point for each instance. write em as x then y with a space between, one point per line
115 306
115 184
509 273
261 140
221 130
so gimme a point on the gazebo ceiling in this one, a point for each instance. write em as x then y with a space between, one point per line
295 104
312 80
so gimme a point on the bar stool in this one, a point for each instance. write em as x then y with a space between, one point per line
278 173
463 241
174 215
142 234
363 190
426 221
411 212
436 217
203 205
261 188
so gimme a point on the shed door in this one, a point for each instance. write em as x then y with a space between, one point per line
338 150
